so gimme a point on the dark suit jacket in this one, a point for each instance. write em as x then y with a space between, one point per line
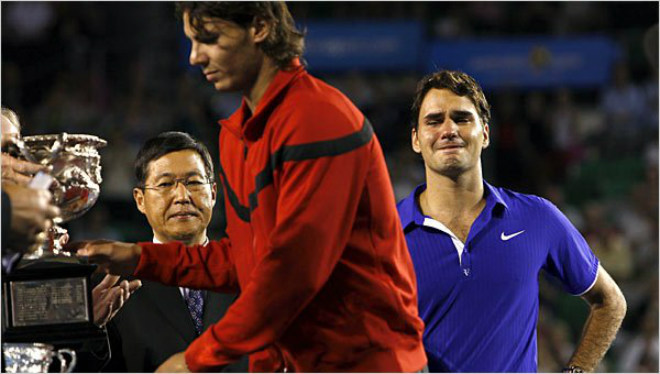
155 323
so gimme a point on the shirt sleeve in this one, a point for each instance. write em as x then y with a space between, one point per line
320 184
200 267
569 257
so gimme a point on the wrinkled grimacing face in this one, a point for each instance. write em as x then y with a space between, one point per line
450 135
177 213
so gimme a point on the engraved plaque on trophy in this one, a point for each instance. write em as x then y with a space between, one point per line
44 302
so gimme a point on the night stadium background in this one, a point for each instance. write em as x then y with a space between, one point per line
573 86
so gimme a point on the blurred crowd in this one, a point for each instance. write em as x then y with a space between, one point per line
118 71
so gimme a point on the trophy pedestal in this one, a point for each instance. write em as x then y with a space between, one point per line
49 301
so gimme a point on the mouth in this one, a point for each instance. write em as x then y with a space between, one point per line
450 148
183 215
210 75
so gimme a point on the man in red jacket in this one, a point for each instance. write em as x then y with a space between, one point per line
314 243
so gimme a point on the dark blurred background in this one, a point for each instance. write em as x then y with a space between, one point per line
573 85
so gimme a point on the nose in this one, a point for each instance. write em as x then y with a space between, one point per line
449 129
197 55
181 193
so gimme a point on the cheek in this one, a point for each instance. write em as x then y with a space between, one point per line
205 204
476 134
156 210
426 140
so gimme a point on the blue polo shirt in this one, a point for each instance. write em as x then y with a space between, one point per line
479 299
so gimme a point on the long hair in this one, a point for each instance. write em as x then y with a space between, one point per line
284 42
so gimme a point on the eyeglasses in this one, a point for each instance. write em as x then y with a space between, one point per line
168 186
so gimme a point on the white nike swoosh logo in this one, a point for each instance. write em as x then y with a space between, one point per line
507 237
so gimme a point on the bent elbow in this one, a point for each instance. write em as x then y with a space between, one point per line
615 303
621 304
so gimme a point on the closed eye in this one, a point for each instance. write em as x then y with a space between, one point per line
461 116
207 38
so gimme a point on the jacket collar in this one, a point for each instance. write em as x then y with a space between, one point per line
241 124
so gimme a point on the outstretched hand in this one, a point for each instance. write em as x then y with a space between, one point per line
112 257
108 298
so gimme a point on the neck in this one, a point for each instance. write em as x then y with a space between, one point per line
194 240
447 197
266 73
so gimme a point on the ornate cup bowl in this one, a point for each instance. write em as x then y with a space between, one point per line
76 168
76 171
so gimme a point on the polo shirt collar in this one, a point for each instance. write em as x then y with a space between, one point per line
242 124
409 211
494 195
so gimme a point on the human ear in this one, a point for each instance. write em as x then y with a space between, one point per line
262 29
486 133
138 196
214 192
414 140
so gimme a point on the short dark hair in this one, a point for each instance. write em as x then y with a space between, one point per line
168 142
284 42
457 82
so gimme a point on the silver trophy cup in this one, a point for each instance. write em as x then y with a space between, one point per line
47 297
76 169
35 358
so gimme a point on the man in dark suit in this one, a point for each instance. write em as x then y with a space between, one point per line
176 193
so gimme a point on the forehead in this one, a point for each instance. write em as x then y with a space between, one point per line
444 100
211 25
178 163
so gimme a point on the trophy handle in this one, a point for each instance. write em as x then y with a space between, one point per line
58 144
64 368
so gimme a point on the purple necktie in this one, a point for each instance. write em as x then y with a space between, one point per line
195 302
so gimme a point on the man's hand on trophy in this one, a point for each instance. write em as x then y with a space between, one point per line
108 298
112 257
32 213
19 171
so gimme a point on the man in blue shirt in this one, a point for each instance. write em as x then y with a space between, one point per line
478 250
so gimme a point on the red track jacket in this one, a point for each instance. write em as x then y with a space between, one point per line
315 246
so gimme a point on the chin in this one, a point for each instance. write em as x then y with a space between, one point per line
181 232
224 86
182 237
450 169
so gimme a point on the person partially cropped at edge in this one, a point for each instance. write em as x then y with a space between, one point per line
314 243
27 216
478 249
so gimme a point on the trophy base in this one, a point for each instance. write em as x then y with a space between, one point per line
49 301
